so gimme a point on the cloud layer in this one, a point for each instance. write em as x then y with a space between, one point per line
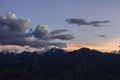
13 32
81 22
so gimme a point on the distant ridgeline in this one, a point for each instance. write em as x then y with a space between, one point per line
57 64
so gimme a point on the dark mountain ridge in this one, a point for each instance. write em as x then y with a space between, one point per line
57 64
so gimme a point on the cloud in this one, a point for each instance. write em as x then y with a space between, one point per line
98 23
58 31
13 32
77 21
63 37
10 22
42 31
101 35
10 26
81 22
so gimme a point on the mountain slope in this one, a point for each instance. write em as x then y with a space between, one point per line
83 64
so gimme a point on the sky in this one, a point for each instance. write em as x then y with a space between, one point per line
80 23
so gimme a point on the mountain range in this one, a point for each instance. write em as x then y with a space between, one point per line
58 64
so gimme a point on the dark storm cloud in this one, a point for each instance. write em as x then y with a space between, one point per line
81 22
13 32
101 35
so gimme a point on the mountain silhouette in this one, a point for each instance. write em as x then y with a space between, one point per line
58 64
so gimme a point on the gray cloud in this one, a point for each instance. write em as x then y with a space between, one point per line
81 22
101 35
98 23
77 21
63 37
42 31
10 22
10 26
13 32
31 42
58 31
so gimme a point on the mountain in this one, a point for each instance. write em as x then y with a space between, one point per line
58 64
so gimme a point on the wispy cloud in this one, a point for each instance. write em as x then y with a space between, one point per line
83 22
100 35
58 31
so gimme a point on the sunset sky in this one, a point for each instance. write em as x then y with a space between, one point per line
81 23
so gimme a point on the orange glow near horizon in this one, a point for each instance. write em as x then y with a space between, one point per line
20 48
108 46
100 48
70 47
